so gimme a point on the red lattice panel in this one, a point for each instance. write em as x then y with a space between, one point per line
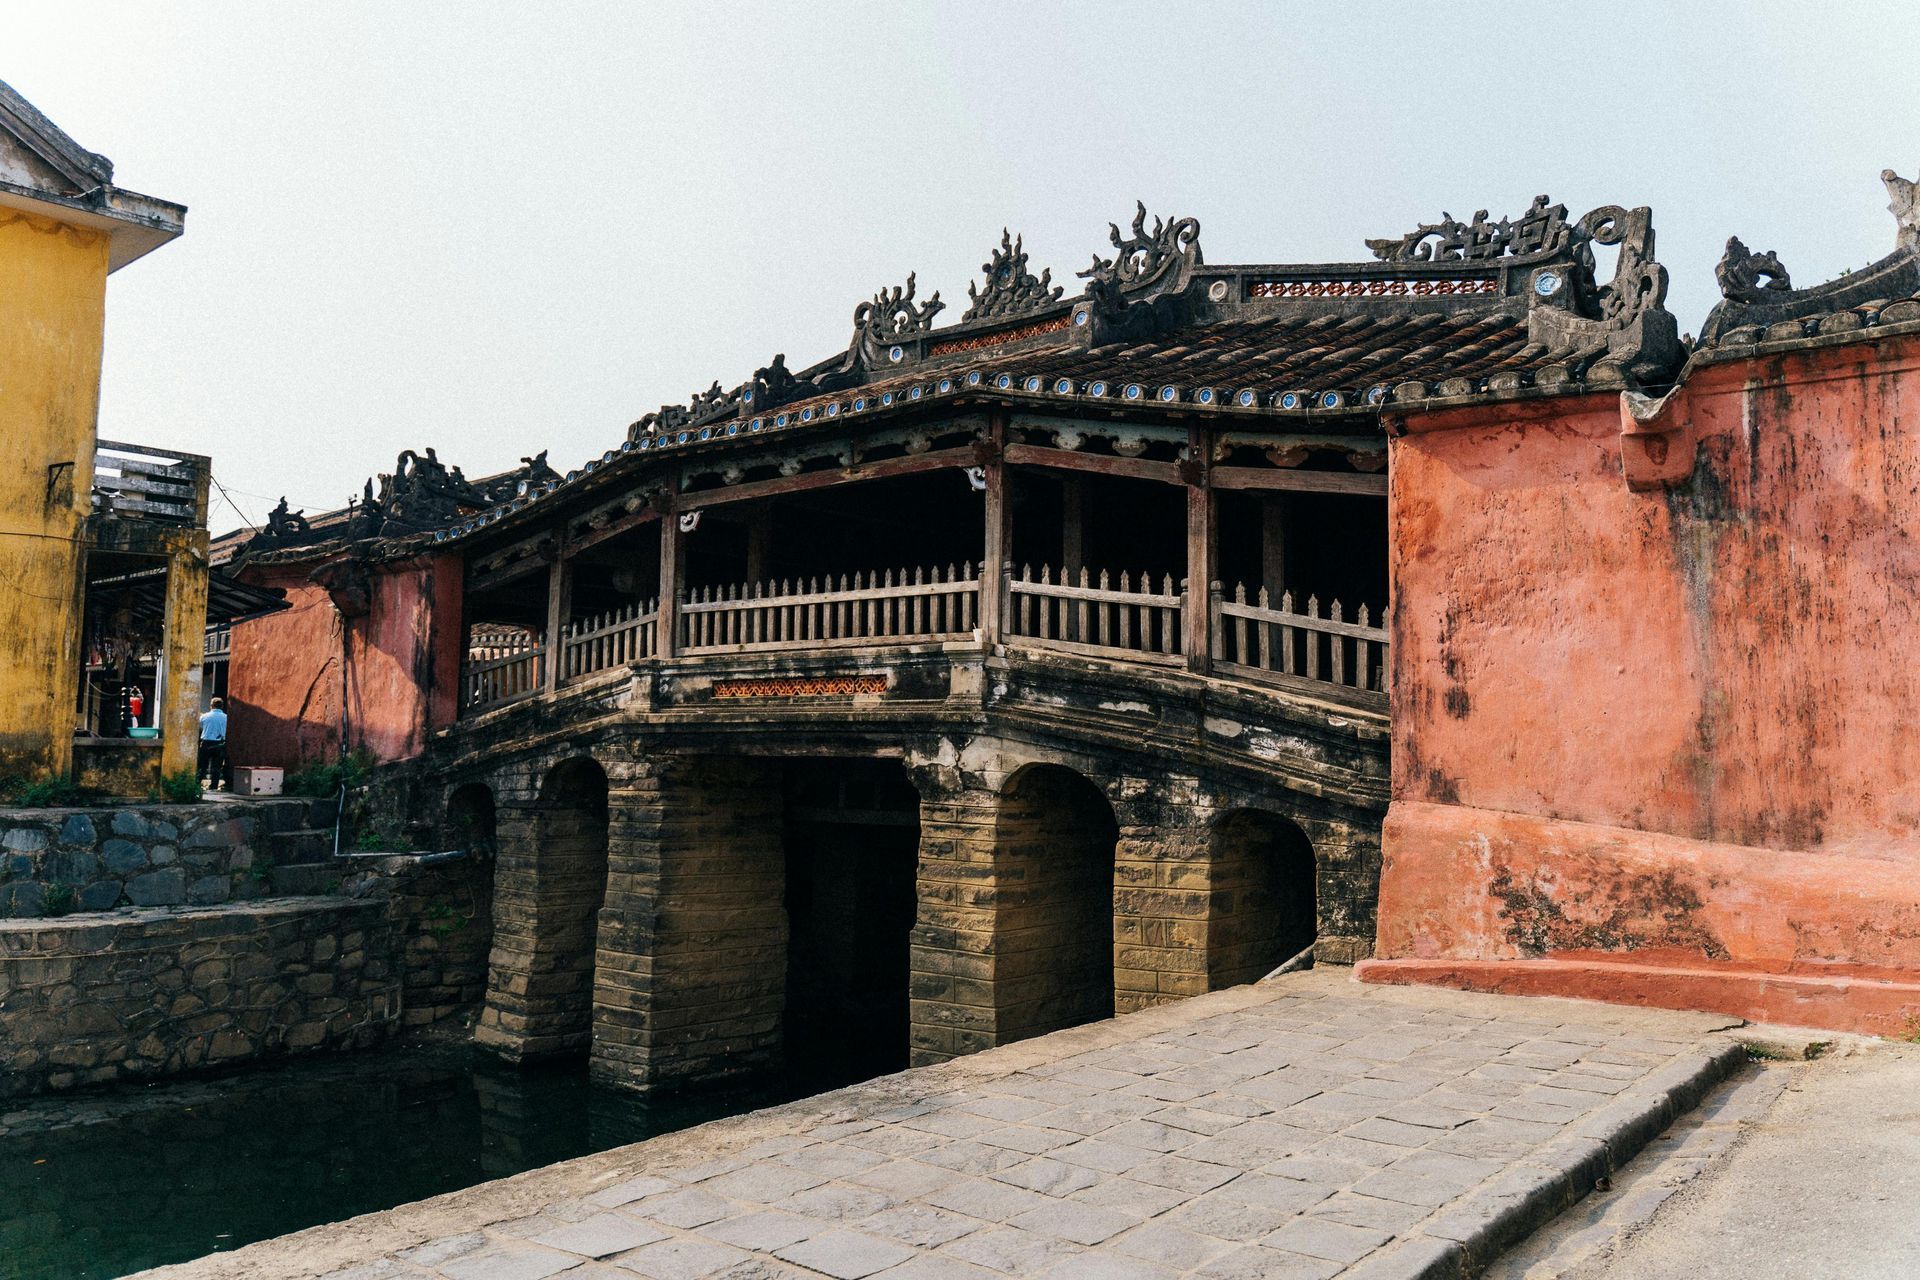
799 687
1369 288
1054 325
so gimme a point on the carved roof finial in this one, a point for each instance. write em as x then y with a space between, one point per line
1140 258
1905 209
1741 270
1010 288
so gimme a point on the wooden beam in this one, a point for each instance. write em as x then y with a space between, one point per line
506 573
612 529
1296 481
1031 455
911 464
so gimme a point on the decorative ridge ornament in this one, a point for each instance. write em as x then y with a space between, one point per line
1010 289
1740 271
891 315
1142 258
1541 229
1905 209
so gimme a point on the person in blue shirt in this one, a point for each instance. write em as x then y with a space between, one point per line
213 745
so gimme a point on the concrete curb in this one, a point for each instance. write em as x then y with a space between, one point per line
1462 1240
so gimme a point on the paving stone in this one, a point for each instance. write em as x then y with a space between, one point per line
1369 1211
683 1259
846 1255
1049 1177
837 1202
1272 1192
1168 1245
601 1236
763 1231
1070 1220
1183 1174
434 1252
1253 1262
763 1183
690 1207
988 1201
1028 1139
1010 1250
1149 1136
1133 1197
905 1178
831 1160
918 1224
517 1261
630 1190
931 1266
1322 1238
1106 1267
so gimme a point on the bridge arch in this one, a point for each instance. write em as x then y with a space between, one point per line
1261 905
1055 837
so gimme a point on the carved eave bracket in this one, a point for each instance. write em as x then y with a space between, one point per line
1657 442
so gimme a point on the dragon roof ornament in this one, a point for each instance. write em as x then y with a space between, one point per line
1141 259
1740 271
1010 289
1541 229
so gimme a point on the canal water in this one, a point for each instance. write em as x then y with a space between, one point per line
99 1186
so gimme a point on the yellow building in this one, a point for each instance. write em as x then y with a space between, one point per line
103 571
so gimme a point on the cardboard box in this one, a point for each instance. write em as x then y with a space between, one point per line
257 780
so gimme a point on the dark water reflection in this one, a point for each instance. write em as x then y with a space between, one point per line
111 1184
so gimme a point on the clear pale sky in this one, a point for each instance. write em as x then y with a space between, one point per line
496 229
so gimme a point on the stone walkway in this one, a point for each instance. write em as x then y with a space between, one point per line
1307 1127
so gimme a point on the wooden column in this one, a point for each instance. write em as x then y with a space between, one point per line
1073 510
671 571
759 520
998 541
1273 544
559 606
1198 629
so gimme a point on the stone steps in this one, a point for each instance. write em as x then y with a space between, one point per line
302 844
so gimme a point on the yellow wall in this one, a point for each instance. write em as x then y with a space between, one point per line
53 280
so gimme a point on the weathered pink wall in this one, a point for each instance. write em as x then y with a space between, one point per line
1725 661
396 667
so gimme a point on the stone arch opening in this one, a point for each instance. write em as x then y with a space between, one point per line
472 821
1055 839
851 836
1262 910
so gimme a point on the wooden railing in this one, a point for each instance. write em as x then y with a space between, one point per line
502 669
1135 619
1099 615
616 638
1278 642
924 605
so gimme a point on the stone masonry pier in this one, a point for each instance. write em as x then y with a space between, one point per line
1304 1127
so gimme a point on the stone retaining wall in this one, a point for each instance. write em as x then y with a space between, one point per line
147 856
150 992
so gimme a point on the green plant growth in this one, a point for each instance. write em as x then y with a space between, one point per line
59 900
376 839
56 791
182 786
321 780
442 921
